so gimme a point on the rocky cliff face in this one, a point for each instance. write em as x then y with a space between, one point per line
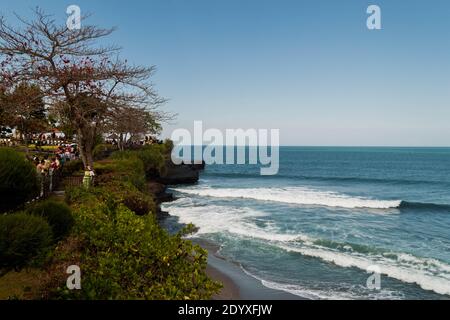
175 174
181 174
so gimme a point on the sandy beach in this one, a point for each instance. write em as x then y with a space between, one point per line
237 285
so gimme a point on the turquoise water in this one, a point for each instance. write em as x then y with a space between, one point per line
331 213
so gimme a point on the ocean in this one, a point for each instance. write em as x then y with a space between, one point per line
330 216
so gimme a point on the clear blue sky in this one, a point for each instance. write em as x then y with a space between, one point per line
310 68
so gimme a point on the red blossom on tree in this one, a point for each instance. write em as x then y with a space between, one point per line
83 84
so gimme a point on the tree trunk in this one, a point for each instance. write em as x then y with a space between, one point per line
121 142
24 138
86 146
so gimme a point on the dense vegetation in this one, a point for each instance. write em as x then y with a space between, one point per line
27 237
153 157
111 232
18 179
57 214
125 256
124 253
22 238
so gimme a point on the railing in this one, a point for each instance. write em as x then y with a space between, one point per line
49 183
73 181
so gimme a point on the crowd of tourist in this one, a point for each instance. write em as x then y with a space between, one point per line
8 142
48 164
67 152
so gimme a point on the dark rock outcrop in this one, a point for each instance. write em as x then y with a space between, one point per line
181 174
174 174
158 190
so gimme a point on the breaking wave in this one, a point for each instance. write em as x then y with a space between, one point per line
295 195
429 274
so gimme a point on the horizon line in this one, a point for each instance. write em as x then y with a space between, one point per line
316 146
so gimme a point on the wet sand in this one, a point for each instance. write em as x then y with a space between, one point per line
237 285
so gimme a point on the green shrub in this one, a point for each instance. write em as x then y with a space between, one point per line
123 192
168 144
124 176
18 179
22 237
71 167
77 194
154 159
126 193
121 155
126 256
139 203
103 150
124 166
57 214
125 253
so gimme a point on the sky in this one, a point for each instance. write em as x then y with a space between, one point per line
310 68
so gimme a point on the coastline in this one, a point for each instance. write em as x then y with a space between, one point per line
237 285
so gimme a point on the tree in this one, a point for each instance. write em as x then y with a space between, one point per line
24 109
3 114
81 82
131 124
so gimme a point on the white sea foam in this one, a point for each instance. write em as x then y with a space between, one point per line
294 195
218 219
429 274
350 293
418 273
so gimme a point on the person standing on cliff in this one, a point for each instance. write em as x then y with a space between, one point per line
88 177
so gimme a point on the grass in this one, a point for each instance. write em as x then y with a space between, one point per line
43 148
38 283
19 285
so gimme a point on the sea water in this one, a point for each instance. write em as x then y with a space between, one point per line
329 216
